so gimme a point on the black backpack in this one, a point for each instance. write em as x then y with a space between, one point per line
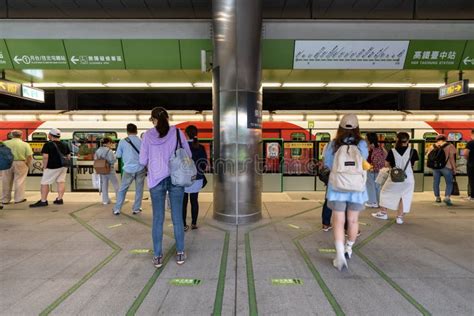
6 157
437 157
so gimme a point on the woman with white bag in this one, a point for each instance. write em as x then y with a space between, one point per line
397 192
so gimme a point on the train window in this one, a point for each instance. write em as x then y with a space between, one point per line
85 143
298 136
430 135
324 137
39 136
296 152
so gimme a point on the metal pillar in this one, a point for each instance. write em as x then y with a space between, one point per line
237 106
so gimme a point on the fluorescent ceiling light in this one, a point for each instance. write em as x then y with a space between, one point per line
82 85
202 84
347 85
20 117
271 84
303 85
127 85
170 85
390 85
37 73
45 85
471 85
427 85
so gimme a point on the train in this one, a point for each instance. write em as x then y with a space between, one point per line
291 140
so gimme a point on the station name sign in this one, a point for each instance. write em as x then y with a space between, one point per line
21 91
454 89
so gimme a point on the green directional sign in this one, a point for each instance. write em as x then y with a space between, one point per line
434 54
5 61
467 60
37 54
287 282
95 54
152 54
185 282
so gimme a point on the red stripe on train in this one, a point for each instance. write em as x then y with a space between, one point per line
447 127
28 127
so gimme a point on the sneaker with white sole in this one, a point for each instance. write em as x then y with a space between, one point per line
158 261
348 251
371 205
339 263
380 215
180 257
138 211
399 220
116 212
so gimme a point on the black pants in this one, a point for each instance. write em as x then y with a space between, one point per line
470 174
194 207
327 214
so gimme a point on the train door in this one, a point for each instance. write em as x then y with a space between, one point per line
272 167
83 147
456 138
298 168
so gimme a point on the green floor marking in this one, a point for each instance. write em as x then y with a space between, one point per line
253 310
287 282
294 226
222 274
383 275
140 251
90 274
115 226
327 250
185 282
143 294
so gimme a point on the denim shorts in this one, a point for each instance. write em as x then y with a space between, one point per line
342 206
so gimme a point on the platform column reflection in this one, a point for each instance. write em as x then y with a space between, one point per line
237 107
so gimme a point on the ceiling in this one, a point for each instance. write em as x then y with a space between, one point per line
272 9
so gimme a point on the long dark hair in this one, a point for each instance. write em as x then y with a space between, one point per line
343 134
373 139
163 126
192 133
402 137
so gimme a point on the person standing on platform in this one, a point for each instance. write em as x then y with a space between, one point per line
105 152
346 192
16 176
200 160
55 158
158 145
469 155
399 195
376 159
444 153
129 150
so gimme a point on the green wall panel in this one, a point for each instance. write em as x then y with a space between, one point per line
95 54
5 61
277 54
467 60
152 54
191 52
434 54
37 54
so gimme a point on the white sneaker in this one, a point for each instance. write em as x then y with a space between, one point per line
339 263
372 205
380 215
116 212
106 203
399 220
348 251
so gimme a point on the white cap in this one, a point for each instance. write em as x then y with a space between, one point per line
55 132
349 121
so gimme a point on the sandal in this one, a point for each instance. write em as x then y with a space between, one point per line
186 228
194 227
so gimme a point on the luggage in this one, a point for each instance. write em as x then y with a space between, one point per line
347 173
182 168
6 157
437 157
102 166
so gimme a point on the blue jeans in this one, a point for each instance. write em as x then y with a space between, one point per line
158 196
104 185
373 189
127 179
448 176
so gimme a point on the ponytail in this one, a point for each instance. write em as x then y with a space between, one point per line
192 132
163 126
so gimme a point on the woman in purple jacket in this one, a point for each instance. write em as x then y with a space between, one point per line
158 145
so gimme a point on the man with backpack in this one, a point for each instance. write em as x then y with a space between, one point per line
6 161
15 176
56 157
441 158
129 150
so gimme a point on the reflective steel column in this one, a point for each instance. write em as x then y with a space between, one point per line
237 106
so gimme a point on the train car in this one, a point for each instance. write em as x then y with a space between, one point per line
292 140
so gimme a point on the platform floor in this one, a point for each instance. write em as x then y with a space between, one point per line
79 259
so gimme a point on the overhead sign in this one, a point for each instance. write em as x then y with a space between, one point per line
32 93
95 54
467 60
37 54
5 61
434 54
152 53
10 88
350 54
454 89
298 145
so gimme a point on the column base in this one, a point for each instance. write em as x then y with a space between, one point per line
238 220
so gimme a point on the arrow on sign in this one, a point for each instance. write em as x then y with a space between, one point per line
467 60
74 59
17 59
457 87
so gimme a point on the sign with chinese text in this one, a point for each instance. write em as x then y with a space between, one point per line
434 54
298 145
95 54
467 60
454 89
5 61
37 54
350 54
32 93
254 110
10 88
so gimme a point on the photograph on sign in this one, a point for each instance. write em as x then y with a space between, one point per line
350 54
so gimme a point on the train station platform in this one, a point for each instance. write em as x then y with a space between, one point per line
79 259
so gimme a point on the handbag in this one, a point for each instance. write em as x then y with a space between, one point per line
65 162
323 175
204 182
96 181
398 175
102 166
182 168
455 187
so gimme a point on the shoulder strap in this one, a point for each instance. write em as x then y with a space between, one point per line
128 140
409 159
57 149
178 140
